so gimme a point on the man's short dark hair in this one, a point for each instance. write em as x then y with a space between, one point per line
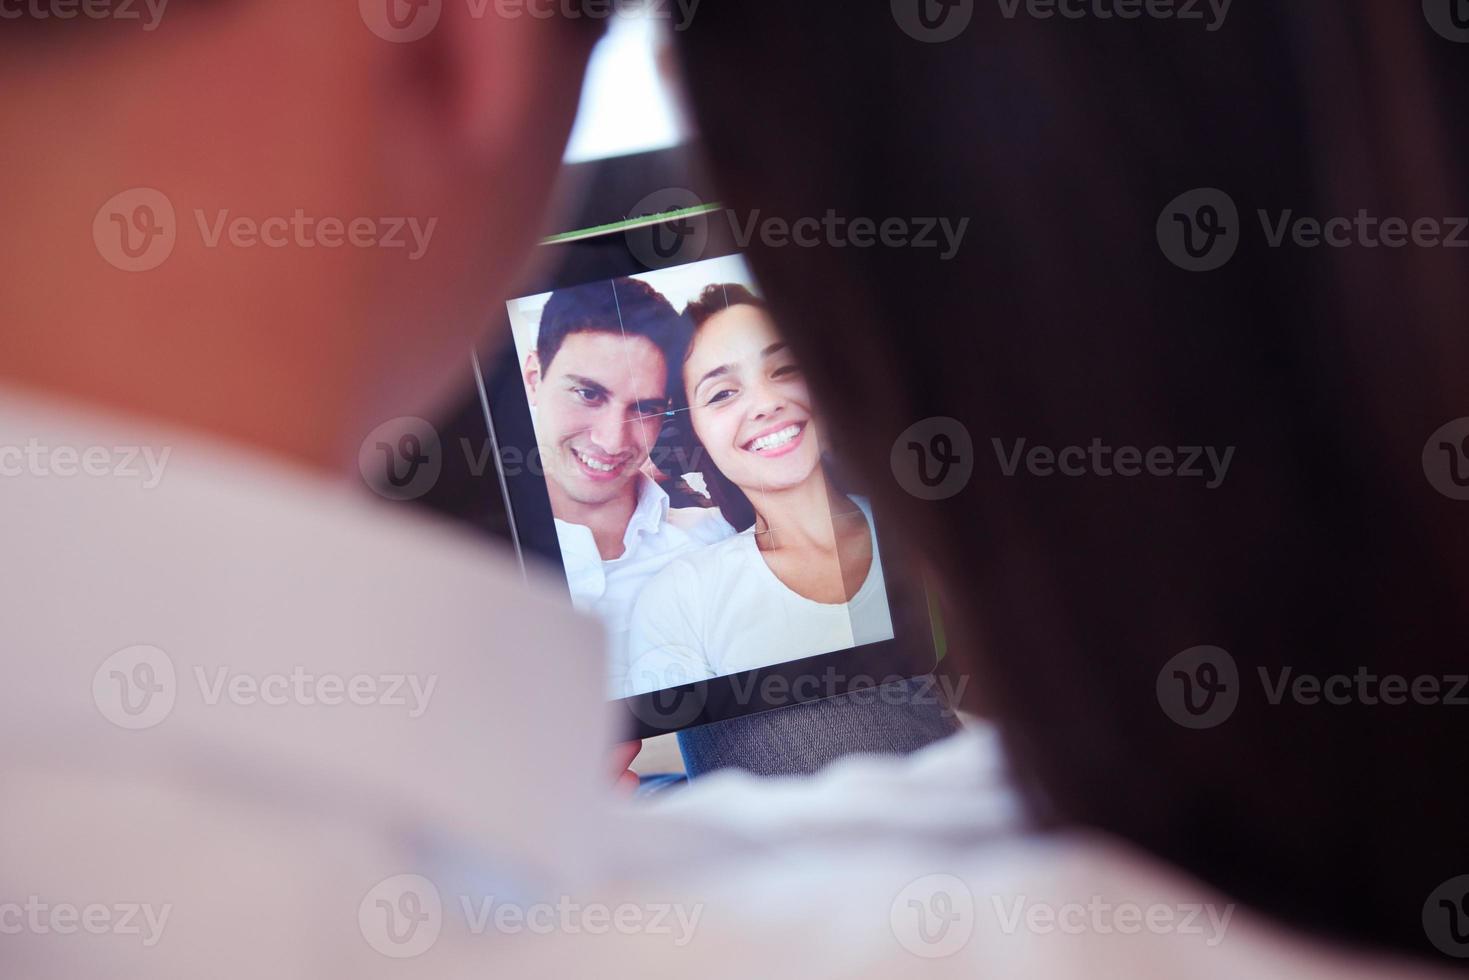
624 306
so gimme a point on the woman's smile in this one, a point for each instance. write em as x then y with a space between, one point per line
778 441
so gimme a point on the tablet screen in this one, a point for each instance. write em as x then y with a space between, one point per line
697 512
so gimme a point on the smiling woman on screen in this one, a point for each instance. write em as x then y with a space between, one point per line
804 577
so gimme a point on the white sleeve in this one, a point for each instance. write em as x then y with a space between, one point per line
666 642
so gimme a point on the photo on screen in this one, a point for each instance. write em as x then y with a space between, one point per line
697 514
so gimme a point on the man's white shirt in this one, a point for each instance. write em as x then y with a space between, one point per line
655 536
239 699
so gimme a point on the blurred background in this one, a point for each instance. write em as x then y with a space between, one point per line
629 103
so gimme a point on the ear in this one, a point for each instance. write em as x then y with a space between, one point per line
532 375
507 76
483 97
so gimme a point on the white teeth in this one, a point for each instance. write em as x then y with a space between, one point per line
776 439
593 464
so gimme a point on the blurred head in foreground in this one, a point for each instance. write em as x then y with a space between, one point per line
275 222
1188 425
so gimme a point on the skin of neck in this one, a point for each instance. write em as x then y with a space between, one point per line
607 521
802 514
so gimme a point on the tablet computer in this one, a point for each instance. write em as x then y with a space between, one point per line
656 443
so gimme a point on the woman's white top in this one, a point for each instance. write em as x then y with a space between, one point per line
721 610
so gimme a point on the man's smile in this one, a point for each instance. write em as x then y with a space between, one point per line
597 466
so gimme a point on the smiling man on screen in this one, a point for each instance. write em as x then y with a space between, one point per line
599 382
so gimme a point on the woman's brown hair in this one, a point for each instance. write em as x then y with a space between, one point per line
1063 319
